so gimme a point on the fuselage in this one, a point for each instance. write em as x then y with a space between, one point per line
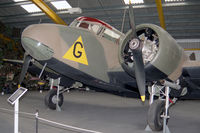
91 51
85 51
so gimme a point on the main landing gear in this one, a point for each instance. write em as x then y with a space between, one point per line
54 99
158 114
51 99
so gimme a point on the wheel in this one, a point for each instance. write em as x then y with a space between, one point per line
155 121
51 97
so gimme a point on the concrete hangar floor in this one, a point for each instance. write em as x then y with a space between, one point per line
96 111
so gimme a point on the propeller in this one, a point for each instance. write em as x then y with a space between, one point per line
136 48
27 60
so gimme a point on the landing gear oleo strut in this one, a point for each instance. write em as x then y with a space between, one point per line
158 114
54 99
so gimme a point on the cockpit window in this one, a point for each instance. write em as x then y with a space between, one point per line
98 27
94 28
84 25
111 35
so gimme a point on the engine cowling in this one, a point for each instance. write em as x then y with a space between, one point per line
163 57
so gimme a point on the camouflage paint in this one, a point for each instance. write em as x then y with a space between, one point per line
170 56
61 38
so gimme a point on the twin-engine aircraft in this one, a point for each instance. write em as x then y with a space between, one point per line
96 54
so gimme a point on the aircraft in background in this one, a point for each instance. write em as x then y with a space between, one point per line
96 54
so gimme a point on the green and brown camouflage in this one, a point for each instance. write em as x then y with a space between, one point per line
60 38
103 52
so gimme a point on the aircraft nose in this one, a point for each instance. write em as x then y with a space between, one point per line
36 49
37 40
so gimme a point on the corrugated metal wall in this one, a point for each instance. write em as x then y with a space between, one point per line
190 46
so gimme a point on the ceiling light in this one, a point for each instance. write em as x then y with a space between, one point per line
19 0
31 8
59 5
173 0
134 1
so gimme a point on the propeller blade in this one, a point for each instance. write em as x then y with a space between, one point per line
135 46
27 60
139 72
132 20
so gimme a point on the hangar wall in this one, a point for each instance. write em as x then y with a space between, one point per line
190 46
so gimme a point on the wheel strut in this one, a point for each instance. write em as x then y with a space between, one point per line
57 97
154 116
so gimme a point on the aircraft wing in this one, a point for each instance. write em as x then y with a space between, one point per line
13 61
191 74
35 68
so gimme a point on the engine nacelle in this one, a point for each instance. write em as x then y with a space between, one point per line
163 57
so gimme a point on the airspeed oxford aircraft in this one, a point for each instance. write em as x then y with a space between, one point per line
96 54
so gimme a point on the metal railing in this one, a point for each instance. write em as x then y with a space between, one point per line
50 122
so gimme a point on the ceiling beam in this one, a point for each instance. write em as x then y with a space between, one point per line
7 39
85 13
108 8
116 18
160 13
11 4
48 11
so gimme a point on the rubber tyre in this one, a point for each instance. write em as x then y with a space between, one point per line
154 120
49 99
